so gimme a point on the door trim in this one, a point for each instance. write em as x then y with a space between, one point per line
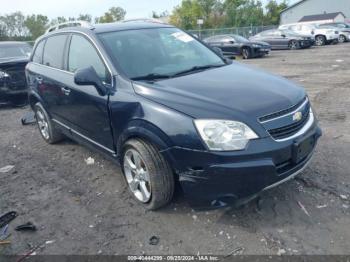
83 136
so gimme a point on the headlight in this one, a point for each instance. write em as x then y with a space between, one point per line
256 46
3 74
224 135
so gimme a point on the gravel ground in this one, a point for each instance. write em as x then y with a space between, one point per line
86 209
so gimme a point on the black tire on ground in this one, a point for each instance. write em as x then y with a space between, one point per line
54 135
320 40
342 39
246 53
162 182
293 45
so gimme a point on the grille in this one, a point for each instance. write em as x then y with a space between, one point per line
289 130
282 112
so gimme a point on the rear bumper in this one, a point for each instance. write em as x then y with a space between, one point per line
213 180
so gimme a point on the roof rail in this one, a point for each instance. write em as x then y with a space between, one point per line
75 23
147 20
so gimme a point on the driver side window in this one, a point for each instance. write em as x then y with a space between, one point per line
82 54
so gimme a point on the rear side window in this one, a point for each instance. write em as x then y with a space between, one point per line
38 54
82 54
54 51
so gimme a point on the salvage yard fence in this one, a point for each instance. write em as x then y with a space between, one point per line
243 31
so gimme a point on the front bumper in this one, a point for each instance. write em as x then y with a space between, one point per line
257 52
218 179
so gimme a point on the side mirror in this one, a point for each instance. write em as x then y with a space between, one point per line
88 76
283 35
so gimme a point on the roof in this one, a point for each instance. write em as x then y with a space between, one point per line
319 17
127 25
291 6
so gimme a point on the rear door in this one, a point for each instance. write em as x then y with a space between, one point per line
85 111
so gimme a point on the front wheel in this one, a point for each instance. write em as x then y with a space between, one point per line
148 174
320 40
342 39
246 53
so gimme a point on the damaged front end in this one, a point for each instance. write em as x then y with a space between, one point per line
213 180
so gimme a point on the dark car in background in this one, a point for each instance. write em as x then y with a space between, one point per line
14 57
171 112
231 45
283 39
343 28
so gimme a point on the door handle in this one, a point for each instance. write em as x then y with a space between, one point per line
39 79
65 91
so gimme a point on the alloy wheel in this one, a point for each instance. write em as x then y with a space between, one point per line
43 124
342 39
137 175
320 40
293 45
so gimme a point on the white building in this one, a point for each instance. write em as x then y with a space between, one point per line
297 11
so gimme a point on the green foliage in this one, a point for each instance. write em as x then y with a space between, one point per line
114 14
226 13
36 25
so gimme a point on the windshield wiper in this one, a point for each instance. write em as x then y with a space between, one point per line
151 77
195 69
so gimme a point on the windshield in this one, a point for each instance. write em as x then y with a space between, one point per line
160 51
15 51
240 39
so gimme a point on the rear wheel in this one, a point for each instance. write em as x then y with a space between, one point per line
342 39
47 129
246 53
320 40
293 45
148 174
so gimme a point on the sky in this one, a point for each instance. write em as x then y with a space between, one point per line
72 8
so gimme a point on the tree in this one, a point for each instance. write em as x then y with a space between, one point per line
36 25
160 15
207 8
114 14
273 10
85 17
186 14
13 25
58 20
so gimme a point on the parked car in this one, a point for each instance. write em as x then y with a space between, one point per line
169 109
238 45
283 39
14 56
321 35
344 30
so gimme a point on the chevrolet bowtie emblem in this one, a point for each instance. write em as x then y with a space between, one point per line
297 116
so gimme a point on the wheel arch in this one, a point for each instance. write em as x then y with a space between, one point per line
145 130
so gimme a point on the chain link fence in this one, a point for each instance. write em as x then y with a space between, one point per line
243 31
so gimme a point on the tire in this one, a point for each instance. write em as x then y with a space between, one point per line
293 45
47 129
149 177
342 39
246 53
320 40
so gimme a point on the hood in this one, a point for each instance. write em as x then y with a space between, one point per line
14 60
260 43
235 92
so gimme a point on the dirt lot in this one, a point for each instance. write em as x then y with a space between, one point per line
87 209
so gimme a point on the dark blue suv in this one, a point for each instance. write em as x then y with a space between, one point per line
171 111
